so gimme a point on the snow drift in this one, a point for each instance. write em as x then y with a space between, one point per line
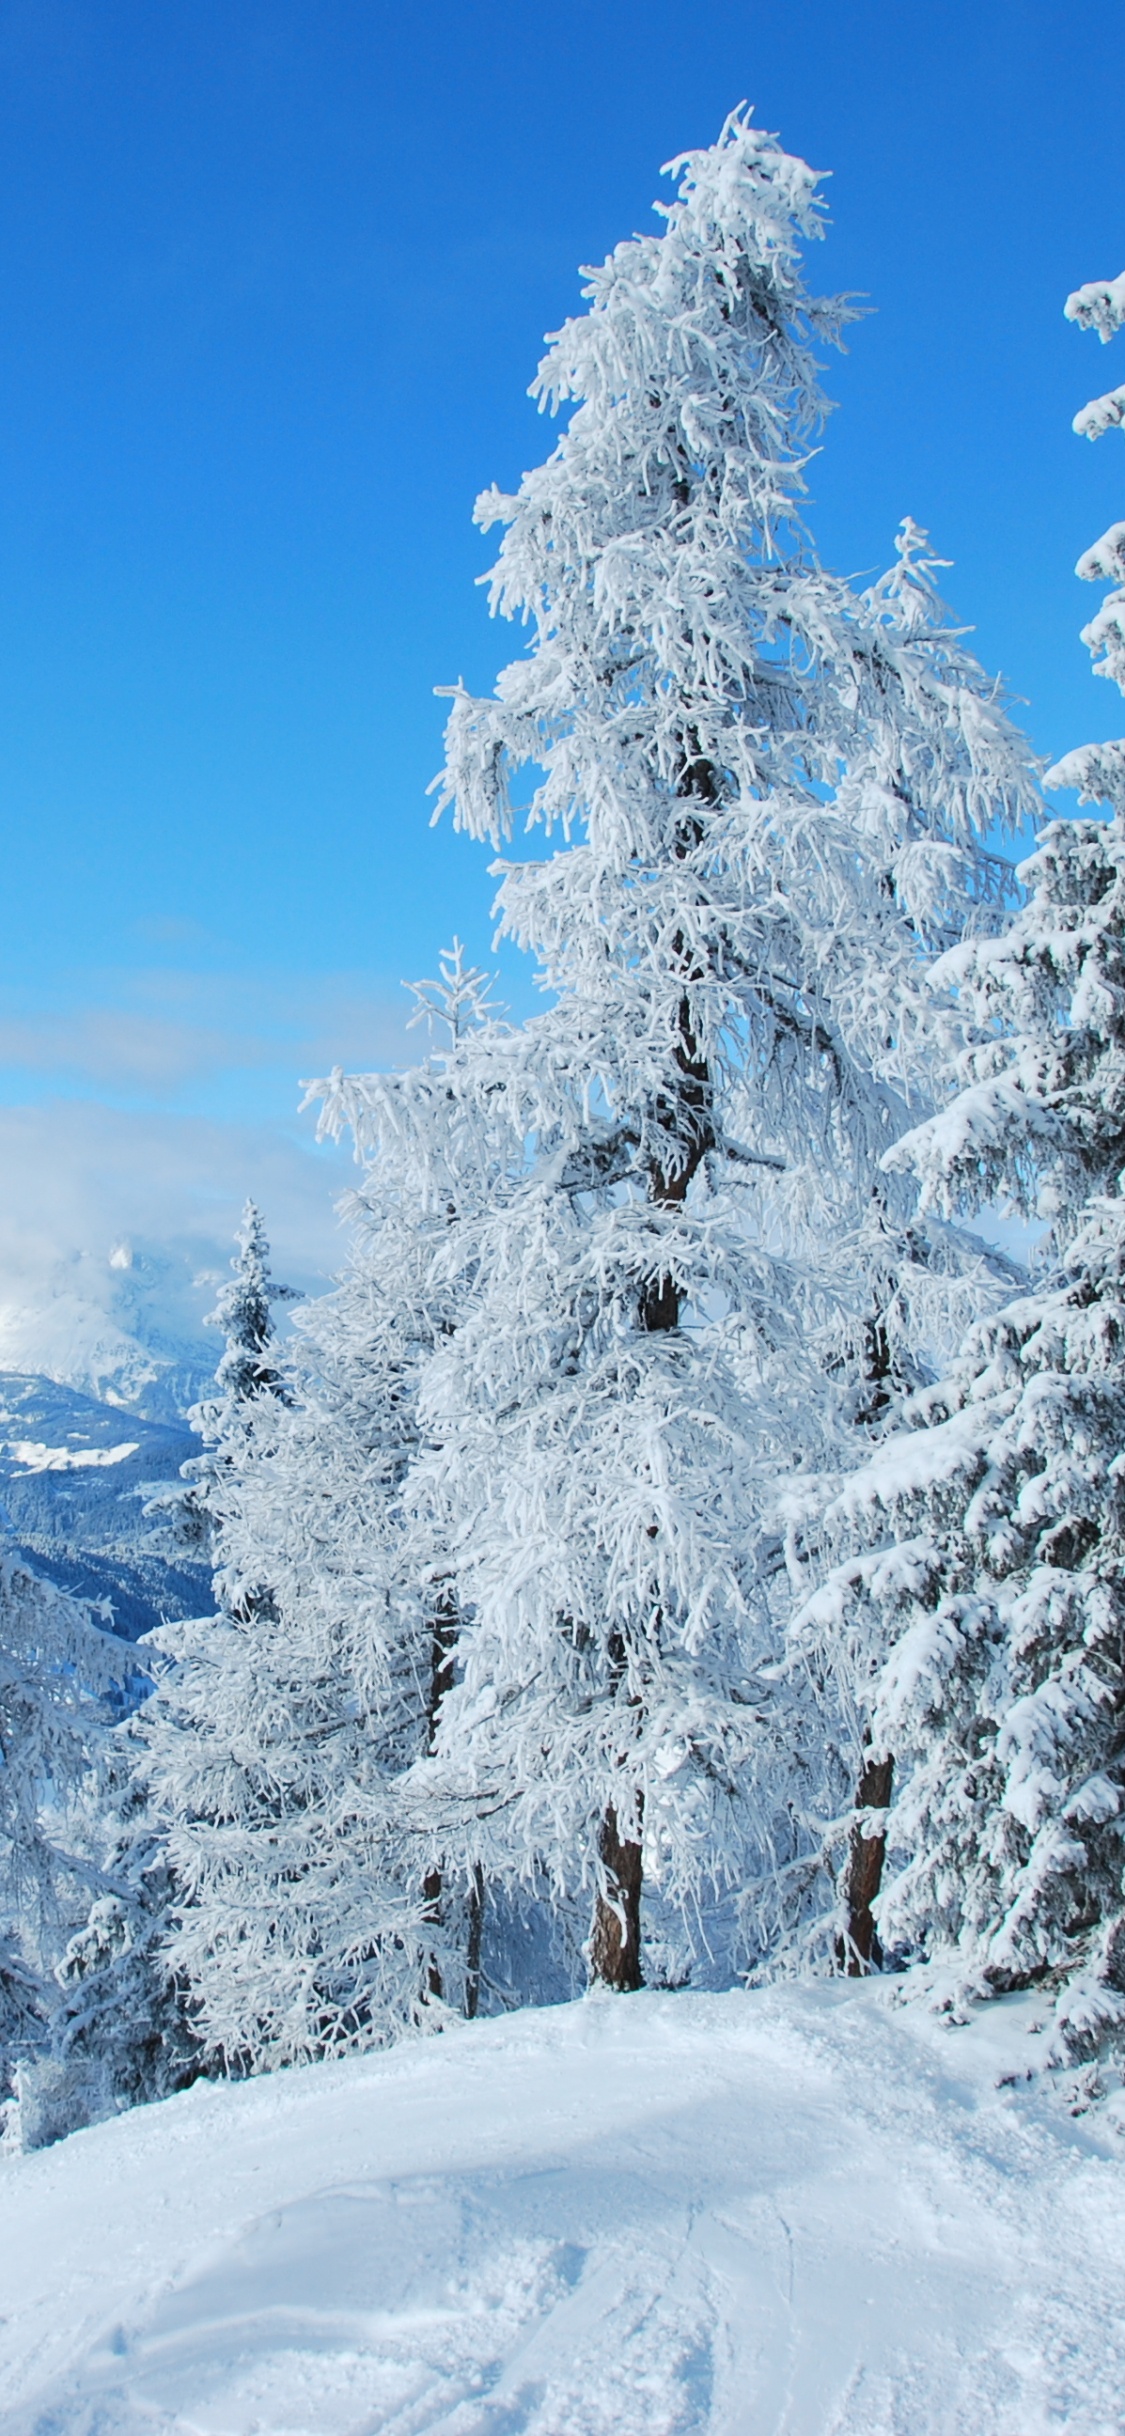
802 2210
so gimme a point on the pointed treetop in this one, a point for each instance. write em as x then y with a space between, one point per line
457 999
242 1311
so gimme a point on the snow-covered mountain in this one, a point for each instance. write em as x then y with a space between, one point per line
124 1326
801 2210
74 1474
101 1353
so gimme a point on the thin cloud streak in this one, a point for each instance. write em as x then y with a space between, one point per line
155 1034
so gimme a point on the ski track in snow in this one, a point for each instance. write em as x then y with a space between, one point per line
803 2212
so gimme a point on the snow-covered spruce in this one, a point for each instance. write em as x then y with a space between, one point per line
122 2025
981 1631
692 1273
57 1675
1040 1118
120 2030
314 1913
188 1518
980 1624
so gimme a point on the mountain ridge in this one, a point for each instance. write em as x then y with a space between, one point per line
75 1474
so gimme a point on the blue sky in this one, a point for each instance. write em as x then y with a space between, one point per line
275 277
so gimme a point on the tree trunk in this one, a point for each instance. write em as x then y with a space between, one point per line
472 1948
690 1123
615 1945
686 1117
878 1370
431 1892
443 1635
859 1951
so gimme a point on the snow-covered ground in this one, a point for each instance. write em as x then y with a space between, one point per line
803 2210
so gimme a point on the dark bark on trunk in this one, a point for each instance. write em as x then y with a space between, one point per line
878 1370
859 1950
615 1945
443 1635
472 1948
431 1890
685 1116
690 1124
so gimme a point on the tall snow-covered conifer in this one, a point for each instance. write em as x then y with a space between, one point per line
981 1616
775 791
316 1911
120 2030
190 1518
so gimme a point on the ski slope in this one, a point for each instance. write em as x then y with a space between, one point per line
807 2211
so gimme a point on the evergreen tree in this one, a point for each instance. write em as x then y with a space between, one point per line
57 1676
118 2030
121 2028
314 1912
188 1518
616 1268
695 1274
980 1619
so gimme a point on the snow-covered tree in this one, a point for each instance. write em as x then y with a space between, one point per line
57 1675
980 1619
314 1911
118 2032
187 1519
509 1507
119 2019
775 791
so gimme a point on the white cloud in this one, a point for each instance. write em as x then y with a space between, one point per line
79 1175
84 1184
162 1034
122 1197
129 1051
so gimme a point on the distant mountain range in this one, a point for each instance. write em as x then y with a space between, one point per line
126 1328
101 1355
75 1473
97 1369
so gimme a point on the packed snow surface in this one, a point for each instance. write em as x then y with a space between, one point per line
801 2210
